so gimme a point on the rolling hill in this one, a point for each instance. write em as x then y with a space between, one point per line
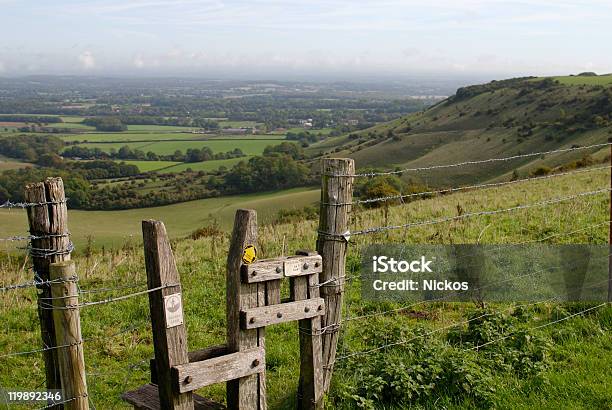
498 119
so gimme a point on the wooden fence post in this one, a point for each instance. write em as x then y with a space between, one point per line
169 334
336 196
50 222
311 372
246 393
67 326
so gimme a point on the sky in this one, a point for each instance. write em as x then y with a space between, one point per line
276 38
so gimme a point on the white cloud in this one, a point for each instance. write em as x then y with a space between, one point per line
138 61
87 60
2 69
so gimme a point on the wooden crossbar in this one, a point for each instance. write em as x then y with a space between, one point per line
281 313
192 376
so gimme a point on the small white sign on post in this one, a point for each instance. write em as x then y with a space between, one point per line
173 306
293 267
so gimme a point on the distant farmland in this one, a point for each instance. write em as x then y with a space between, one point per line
249 147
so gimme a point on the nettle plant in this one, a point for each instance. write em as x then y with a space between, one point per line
425 368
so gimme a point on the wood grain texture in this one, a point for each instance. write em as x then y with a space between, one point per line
44 220
277 268
170 344
247 392
333 220
192 376
68 332
281 313
311 372
194 356
147 398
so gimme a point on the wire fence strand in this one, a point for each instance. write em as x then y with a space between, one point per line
377 229
475 162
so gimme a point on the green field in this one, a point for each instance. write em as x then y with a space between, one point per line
585 80
148 166
535 360
8 163
113 228
132 136
205 165
169 128
249 147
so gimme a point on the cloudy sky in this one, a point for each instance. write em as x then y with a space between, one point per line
326 37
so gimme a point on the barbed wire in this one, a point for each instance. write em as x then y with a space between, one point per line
54 403
34 237
38 282
83 340
48 306
475 162
471 214
9 204
463 322
465 188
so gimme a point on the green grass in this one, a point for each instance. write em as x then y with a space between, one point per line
114 228
249 147
9 163
120 137
205 165
579 372
158 128
147 166
585 80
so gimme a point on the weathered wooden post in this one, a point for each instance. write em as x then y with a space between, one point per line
311 366
332 241
67 326
169 334
48 220
245 393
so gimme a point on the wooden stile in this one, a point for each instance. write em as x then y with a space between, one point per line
68 333
249 392
336 196
170 341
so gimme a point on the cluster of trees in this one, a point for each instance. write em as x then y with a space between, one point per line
125 152
197 122
304 137
107 124
34 119
12 184
286 148
30 148
265 173
206 154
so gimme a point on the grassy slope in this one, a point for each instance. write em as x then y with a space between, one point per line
580 377
113 228
482 125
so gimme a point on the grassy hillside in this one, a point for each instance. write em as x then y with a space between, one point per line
568 365
498 119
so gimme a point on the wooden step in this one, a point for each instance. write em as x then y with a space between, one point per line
147 398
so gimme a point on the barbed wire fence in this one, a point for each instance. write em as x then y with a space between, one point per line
48 245
344 233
